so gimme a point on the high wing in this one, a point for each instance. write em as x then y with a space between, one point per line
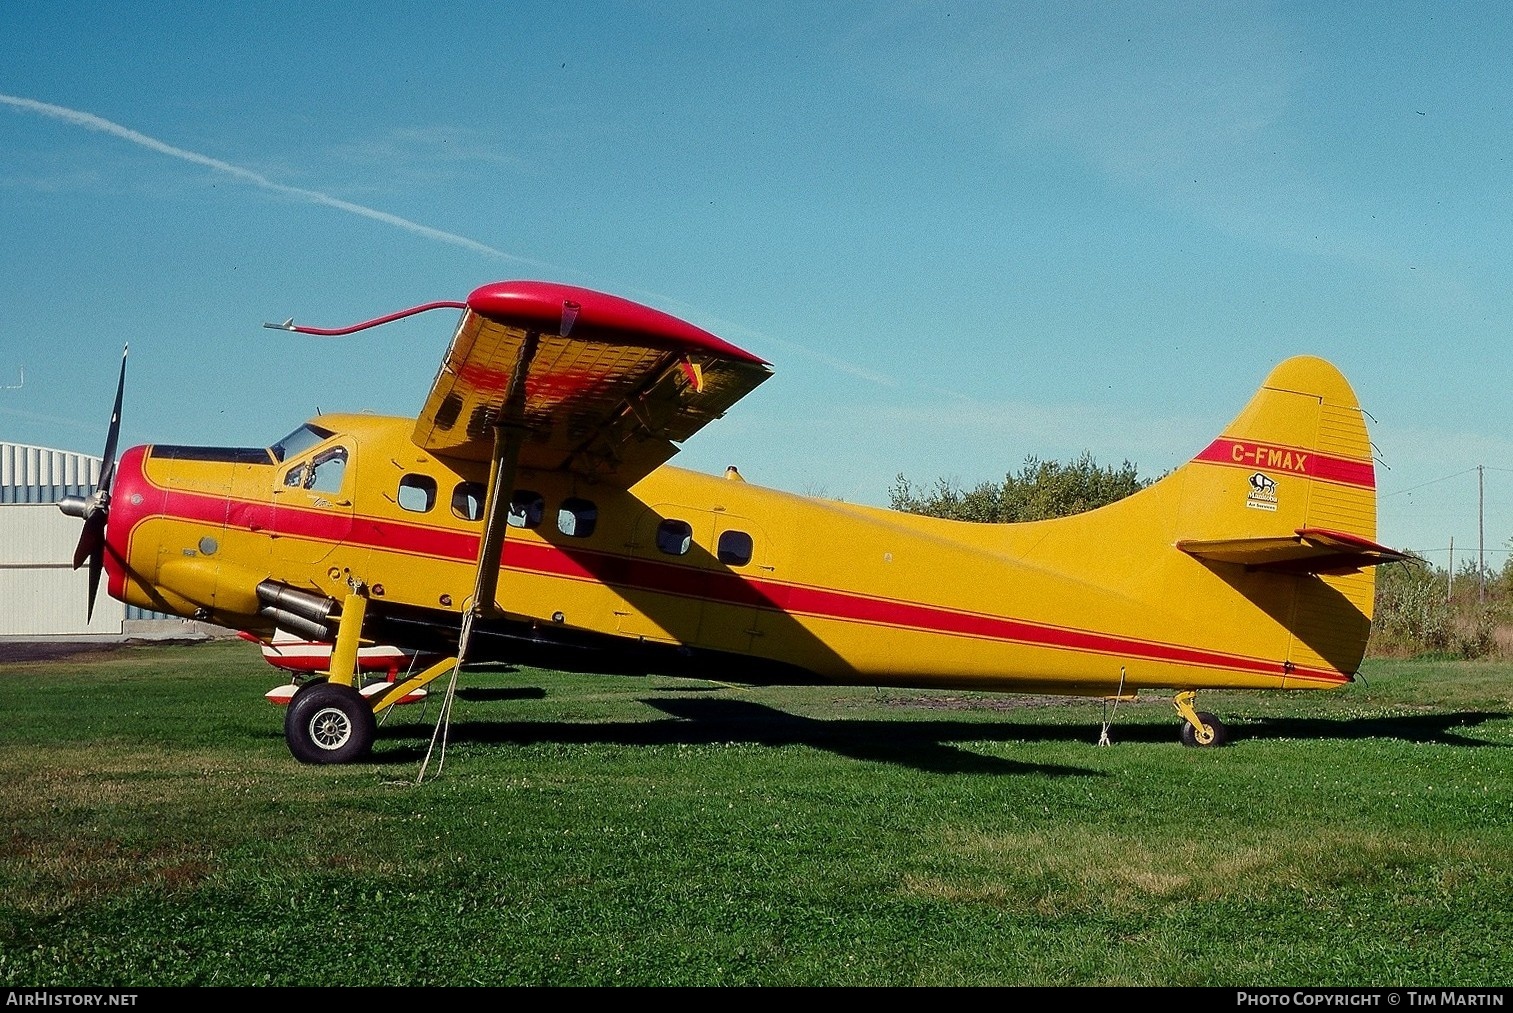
610 387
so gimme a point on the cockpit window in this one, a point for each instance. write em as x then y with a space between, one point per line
321 474
299 441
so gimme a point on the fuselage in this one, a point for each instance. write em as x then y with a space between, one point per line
714 565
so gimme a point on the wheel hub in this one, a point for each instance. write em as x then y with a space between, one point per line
330 728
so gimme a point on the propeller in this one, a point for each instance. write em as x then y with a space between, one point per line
94 509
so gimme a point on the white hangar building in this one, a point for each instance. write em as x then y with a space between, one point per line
41 592
42 596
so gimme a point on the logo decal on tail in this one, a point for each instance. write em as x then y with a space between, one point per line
1263 492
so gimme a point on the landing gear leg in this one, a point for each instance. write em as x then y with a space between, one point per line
328 720
1199 728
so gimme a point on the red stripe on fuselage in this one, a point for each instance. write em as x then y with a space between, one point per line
631 573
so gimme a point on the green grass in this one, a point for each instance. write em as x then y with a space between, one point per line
614 831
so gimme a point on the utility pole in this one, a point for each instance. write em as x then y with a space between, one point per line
1481 536
1450 574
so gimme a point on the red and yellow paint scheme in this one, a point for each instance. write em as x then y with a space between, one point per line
528 514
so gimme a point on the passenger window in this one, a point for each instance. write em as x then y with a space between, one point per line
417 493
467 501
734 548
527 508
674 537
577 517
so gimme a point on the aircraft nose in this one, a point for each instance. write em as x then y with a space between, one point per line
130 502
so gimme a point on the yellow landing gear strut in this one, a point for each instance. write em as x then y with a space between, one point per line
1200 728
329 720
332 721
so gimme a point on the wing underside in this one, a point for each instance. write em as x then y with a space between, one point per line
611 388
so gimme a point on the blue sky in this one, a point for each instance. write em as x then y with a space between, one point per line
963 233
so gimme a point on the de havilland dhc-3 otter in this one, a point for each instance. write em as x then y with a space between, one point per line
528 514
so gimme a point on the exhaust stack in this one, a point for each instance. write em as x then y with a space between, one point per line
297 611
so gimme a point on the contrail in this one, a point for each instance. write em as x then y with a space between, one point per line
92 122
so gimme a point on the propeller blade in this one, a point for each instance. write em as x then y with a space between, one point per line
91 540
96 563
96 508
108 459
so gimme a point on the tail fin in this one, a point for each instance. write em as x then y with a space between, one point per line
1290 487
1296 459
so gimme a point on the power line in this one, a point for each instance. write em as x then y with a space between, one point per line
1425 552
1436 481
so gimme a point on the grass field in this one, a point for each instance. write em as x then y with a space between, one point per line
615 831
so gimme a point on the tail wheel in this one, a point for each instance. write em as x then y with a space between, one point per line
327 723
1218 733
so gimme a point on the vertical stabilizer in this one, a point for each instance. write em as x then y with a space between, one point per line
1298 456
1283 506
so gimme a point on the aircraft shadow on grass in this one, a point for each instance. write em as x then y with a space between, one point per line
1428 729
927 745
923 745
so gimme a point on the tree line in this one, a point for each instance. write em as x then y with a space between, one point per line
1041 490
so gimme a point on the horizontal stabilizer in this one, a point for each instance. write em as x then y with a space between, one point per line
1307 550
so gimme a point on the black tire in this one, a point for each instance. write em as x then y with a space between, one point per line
327 723
1190 734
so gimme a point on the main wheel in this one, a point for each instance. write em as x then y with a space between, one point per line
1190 734
327 723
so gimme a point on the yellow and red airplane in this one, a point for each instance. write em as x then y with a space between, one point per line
528 514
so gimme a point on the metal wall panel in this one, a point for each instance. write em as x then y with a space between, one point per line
39 475
41 594
37 534
51 602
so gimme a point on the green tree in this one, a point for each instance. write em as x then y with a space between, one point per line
1413 613
1420 609
1040 490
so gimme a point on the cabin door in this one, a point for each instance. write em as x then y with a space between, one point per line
662 593
312 512
693 579
736 592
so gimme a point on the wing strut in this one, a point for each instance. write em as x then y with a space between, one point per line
509 435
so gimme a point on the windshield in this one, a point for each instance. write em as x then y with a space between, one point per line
299 441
